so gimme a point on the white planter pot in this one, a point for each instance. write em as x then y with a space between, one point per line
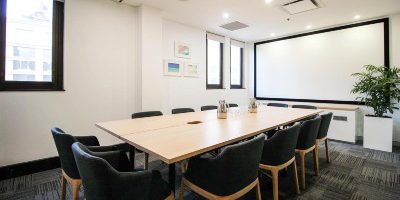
378 133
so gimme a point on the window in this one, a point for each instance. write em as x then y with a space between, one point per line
23 65
237 64
46 66
215 51
31 45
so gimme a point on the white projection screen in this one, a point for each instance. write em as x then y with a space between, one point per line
317 67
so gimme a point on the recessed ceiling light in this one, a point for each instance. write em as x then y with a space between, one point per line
272 34
308 26
225 15
357 17
268 1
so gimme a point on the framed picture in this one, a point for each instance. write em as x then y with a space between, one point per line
182 50
191 70
173 68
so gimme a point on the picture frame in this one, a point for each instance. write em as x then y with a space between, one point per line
191 69
173 68
183 50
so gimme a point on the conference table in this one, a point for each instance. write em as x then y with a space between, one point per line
176 138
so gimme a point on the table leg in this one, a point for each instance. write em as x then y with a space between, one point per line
171 177
132 151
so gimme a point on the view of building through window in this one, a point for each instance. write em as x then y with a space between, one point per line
29 40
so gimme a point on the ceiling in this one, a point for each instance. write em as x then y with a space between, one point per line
267 21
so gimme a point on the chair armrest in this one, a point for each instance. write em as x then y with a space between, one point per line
122 147
101 148
112 157
88 140
117 147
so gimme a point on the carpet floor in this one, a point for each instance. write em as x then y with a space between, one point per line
354 173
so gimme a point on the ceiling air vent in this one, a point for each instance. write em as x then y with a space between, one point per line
299 6
234 26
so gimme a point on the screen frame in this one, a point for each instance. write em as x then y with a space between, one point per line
385 22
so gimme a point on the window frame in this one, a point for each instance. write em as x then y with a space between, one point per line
221 75
57 83
241 68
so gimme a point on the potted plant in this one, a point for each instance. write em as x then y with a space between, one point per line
379 90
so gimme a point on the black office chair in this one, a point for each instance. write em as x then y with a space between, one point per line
103 180
326 119
305 107
182 110
210 107
306 143
282 105
279 153
144 115
70 172
233 105
232 173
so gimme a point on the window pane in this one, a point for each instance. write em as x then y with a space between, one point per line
29 40
46 66
46 78
24 77
214 62
236 65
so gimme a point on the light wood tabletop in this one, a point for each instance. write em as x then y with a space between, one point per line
120 128
171 139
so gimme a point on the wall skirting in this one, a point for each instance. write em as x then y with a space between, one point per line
21 169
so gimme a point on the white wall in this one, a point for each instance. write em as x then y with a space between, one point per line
113 67
100 40
395 61
106 60
250 61
150 58
189 91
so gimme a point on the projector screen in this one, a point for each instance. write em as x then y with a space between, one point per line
317 67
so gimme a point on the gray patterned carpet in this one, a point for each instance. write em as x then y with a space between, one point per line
354 173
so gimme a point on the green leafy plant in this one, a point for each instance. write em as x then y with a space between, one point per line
379 88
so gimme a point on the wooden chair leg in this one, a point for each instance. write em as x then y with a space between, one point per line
258 191
327 151
275 174
181 191
63 187
146 161
75 190
170 197
296 178
316 161
303 170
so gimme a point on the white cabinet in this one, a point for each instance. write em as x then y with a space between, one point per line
345 125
